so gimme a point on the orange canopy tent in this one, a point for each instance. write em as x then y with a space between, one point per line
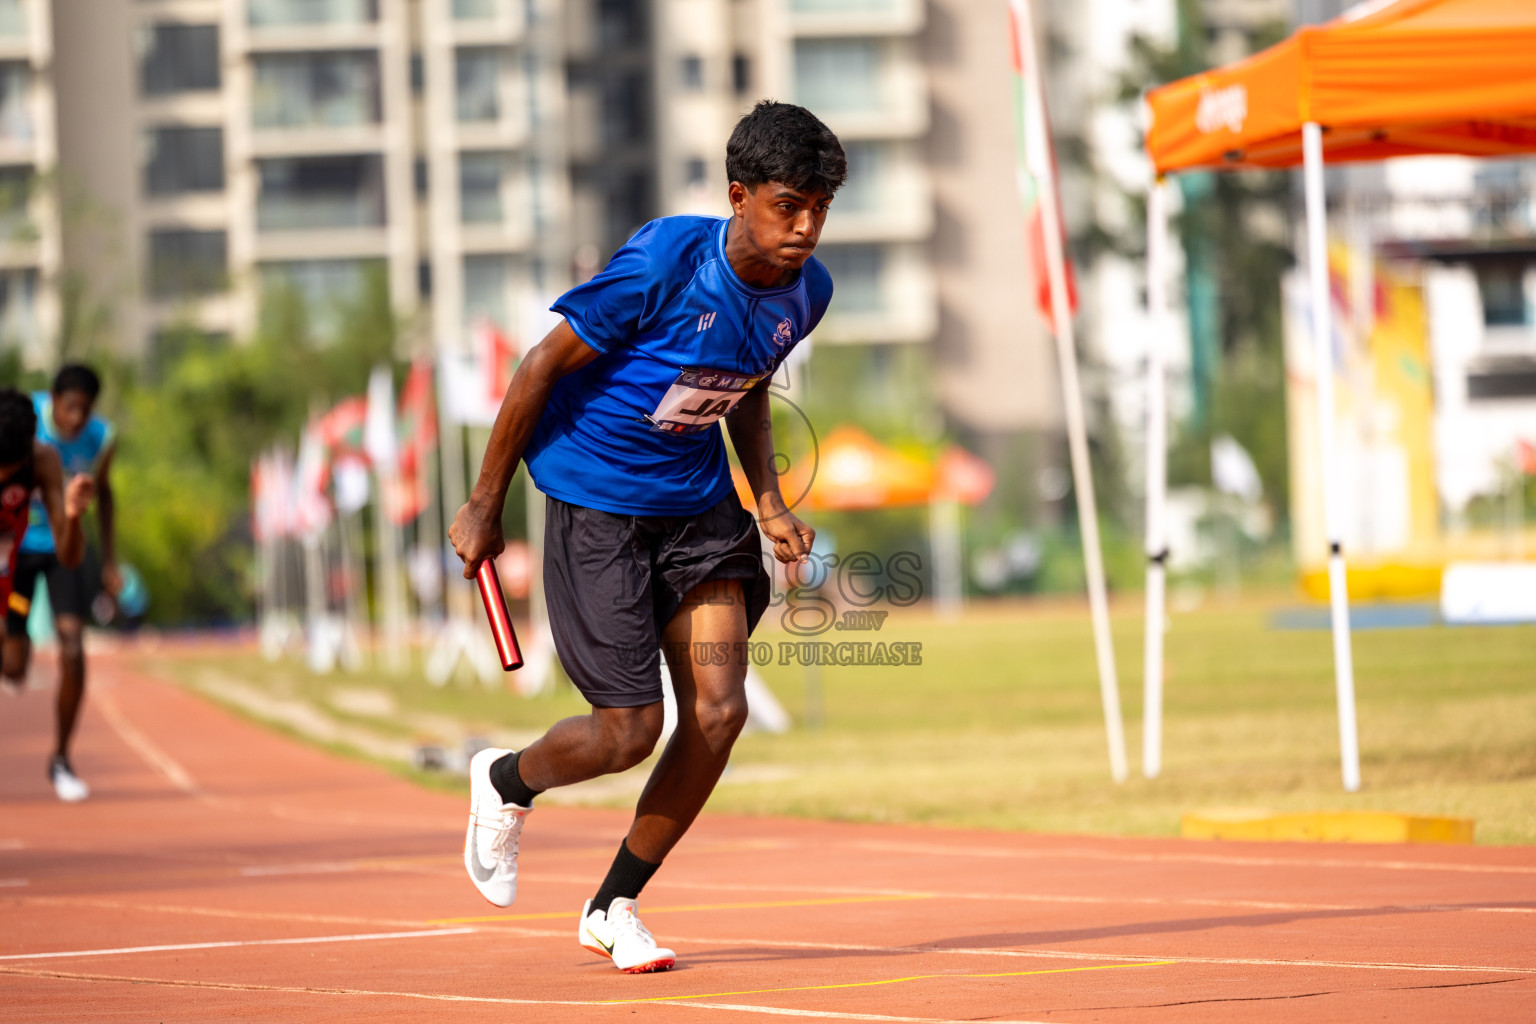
1388 78
1394 79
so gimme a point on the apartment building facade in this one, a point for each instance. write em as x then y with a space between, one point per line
30 242
215 150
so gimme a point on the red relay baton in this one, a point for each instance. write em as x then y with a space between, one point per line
501 619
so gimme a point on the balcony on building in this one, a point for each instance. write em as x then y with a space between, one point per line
488 22
888 196
312 24
19 329
325 288
321 206
17 132
495 202
855 17
179 71
490 92
863 88
15 40
18 230
325 101
882 293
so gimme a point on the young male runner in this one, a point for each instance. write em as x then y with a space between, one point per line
84 444
646 544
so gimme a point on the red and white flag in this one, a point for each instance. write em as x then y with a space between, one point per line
1036 159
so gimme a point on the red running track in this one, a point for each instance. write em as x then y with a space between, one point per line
223 872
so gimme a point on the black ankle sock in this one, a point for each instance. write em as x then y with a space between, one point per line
509 783
625 879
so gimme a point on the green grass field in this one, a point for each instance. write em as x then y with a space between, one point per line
1001 728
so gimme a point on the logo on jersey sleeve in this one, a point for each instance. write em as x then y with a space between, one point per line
784 333
699 398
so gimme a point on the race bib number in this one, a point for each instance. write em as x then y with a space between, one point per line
699 398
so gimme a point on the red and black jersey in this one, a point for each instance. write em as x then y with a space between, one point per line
15 496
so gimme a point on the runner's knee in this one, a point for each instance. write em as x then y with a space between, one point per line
722 719
630 734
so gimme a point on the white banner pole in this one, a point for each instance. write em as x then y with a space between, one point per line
1322 342
1157 477
1072 400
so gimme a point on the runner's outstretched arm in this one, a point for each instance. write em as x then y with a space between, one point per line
106 520
750 425
65 503
476 530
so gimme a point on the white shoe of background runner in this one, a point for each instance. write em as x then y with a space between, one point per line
66 783
619 935
490 845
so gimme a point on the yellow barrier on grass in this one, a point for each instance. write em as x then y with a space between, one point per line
1326 827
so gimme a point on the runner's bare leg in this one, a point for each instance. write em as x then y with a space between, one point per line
711 710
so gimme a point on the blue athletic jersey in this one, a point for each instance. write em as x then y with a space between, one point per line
81 455
680 339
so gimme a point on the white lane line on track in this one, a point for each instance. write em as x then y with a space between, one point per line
775 1011
363 937
327 868
140 744
1085 853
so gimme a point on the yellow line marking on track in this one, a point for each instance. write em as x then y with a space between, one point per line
773 1011
556 915
889 981
1088 853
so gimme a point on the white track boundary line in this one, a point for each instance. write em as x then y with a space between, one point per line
775 1011
124 950
1082 853
141 745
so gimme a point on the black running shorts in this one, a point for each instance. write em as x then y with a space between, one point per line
69 590
612 583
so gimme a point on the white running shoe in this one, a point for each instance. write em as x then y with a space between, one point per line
66 783
490 846
619 936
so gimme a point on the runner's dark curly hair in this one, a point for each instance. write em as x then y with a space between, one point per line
18 426
77 377
787 144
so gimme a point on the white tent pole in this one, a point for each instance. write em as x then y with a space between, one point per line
1157 476
1072 400
1322 341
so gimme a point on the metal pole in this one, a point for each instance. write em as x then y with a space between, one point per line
1322 342
1072 400
1157 478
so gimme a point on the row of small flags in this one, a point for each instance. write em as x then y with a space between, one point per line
371 435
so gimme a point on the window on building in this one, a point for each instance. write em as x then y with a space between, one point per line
696 172
624 108
183 158
476 10
18 308
480 180
185 263
487 280
838 74
628 203
311 193
858 271
1502 284
324 288
13 18
843 6
477 84
15 196
264 13
15 111
691 72
866 167
741 73
621 23
178 58
331 89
